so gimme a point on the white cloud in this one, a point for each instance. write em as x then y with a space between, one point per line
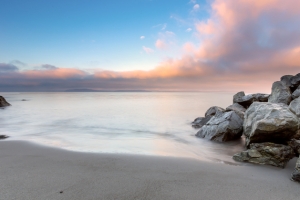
193 1
164 27
148 50
188 30
142 37
196 7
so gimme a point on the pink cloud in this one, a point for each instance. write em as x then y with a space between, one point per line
243 45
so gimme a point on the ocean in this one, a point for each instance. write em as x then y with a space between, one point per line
148 123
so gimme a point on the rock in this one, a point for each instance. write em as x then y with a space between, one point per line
266 154
247 100
280 93
240 110
297 135
3 102
269 122
3 137
238 96
296 173
296 93
222 127
261 97
295 107
214 110
200 121
286 79
295 145
295 81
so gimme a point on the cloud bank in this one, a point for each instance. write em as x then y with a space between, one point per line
243 45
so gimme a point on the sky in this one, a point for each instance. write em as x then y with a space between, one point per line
157 45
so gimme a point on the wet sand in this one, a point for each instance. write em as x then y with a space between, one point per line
33 172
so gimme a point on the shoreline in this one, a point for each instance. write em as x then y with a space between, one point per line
31 171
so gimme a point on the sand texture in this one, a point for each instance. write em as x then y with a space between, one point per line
32 172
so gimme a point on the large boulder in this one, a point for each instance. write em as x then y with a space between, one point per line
286 79
3 102
296 173
247 100
295 107
266 154
212 111
280 93
222 127
269 122
200 121
240 110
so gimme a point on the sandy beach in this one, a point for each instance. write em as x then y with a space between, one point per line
29 171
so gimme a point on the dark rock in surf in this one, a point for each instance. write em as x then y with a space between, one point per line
222 127
266 154
200 121
3 102
3 137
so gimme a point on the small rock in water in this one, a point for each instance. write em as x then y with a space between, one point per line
3 102
200 121
3 137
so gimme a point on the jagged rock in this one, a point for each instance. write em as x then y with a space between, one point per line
296 173
280 93
295 107
3 102
247 100
222 127
214 110
200 121
240 110
269 122
266 154
286 79
295 145
296 93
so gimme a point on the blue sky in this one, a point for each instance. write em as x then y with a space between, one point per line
157 45
94 34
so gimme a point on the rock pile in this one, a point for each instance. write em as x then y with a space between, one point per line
269 123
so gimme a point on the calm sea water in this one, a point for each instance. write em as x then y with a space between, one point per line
136 123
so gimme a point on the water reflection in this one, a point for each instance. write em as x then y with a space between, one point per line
142 123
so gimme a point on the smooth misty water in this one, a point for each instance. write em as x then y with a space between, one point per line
139 123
